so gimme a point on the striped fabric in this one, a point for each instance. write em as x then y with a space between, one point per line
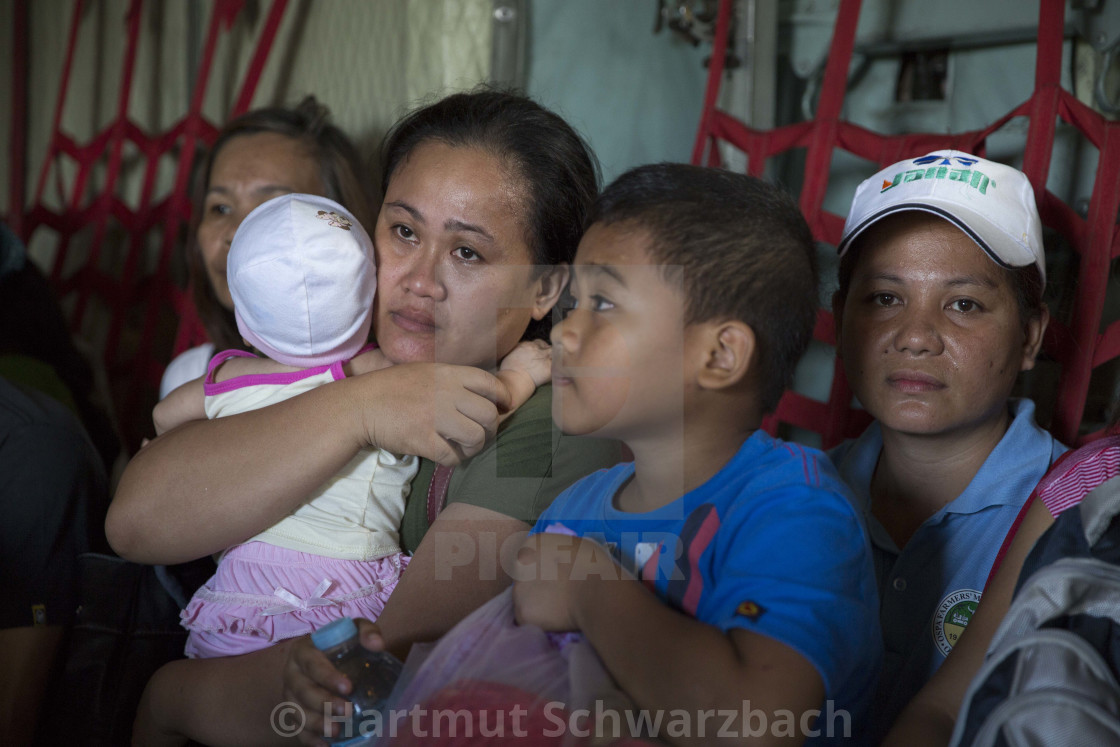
1078 472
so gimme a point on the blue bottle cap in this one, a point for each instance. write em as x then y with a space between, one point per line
332 634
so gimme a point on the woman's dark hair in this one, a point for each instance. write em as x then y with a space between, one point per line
1026 282
555 164
345 180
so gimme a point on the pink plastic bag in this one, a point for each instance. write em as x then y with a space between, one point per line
490 681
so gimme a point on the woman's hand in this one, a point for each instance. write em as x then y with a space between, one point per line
312 682
435 410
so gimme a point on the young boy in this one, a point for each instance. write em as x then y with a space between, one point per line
763 620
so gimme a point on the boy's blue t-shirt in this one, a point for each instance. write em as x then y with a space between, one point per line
769 544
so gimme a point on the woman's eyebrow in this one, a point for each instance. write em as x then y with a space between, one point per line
883 277
416 216
981 280
458 225
953 282
263 189
451 224
277 188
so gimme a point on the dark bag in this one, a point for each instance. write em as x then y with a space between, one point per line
126 628
1052 669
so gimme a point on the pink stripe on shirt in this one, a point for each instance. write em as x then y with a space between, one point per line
211 387
1069 481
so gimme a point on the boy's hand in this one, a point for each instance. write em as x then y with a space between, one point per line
311 681
554 572
533 357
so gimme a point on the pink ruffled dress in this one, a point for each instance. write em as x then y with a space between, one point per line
262 594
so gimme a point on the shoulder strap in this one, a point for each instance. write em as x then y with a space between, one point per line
437 491
221 358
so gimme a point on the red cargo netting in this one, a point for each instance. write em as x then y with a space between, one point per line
136 291
1078 348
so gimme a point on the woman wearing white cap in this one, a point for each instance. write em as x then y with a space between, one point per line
484 200
939 308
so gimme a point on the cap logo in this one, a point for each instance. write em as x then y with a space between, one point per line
944 160
334 219
975 179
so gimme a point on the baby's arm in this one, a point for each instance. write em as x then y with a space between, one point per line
188 401
528 366
181 405
371 360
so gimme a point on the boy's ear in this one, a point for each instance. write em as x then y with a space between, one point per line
548 288
730 351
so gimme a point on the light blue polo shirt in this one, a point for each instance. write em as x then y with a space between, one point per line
929 590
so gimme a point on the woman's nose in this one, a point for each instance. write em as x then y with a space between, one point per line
423 277
229 227
918 332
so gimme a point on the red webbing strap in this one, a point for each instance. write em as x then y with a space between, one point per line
1092 285
759 144
177 208
18 146
63 87
116 150
437 491
1047 92
818 162
715 75
1090 123
260 57
175 211
191 331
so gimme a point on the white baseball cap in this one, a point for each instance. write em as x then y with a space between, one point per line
302 276
992 203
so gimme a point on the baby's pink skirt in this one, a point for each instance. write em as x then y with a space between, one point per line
262 594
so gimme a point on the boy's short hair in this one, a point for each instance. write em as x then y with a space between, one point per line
743 247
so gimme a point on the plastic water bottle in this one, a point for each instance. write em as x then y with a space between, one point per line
372 673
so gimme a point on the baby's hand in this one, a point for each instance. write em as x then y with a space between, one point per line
533 357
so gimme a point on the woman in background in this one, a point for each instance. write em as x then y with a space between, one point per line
939 309
260 155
